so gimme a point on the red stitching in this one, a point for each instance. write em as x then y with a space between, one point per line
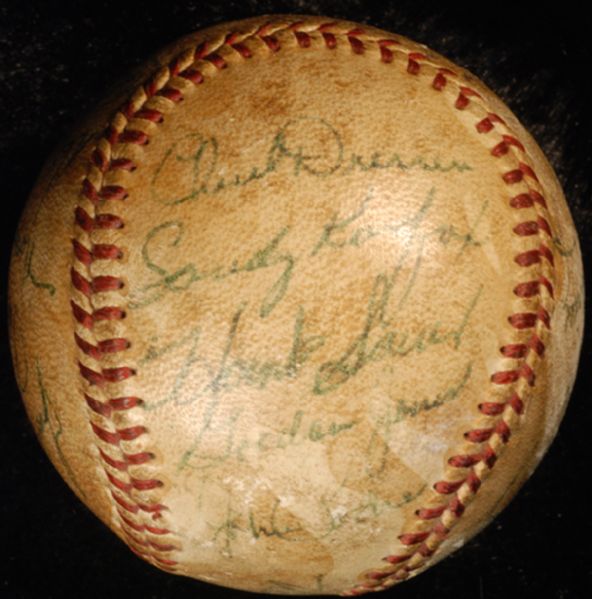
130 136
439 82
478 435
116 375
192 75
303 39
464 97
518 174
82 254
397 559
535 256
111 346
114 437
137 484
100 221
357 45
413 538
133 538
272 42
465 461
386 54
239 47
535 344
413 65
98 284
125 403
491 408
118 483
232 38
107 346
103 284
144 527
83 317
330 40
528 200
130 459
242 50
532 288
430 513
99 159
445 487
107 375
216 60
115 404
112 192
88 348
488 123
148 114
133 508
80 283
172 94
507 377
161 547
85 254
111 135
104 251
528 320
154 508
201 50
89 191
503 147
532 227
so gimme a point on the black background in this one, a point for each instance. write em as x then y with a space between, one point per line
57 59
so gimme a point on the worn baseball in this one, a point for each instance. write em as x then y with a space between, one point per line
299 310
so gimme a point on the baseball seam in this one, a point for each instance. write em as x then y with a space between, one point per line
122 440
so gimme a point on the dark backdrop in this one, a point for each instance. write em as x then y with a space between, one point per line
55 59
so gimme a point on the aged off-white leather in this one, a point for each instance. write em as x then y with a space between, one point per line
308 298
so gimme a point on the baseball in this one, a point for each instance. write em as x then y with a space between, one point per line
298 310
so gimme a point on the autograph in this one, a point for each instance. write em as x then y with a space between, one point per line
339 232
302 146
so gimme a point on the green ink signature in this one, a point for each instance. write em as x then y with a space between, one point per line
337 233
566 252
370 506
273 528
172 233
227 529
24 246
233 370
381 338
573 309
237 444
302 146
49 422
277 524
449 233
392 341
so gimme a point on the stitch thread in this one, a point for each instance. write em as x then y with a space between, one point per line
423 544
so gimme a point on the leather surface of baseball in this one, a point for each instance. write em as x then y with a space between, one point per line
297 317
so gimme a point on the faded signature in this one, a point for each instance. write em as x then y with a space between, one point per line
302 146
278 522
339 232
